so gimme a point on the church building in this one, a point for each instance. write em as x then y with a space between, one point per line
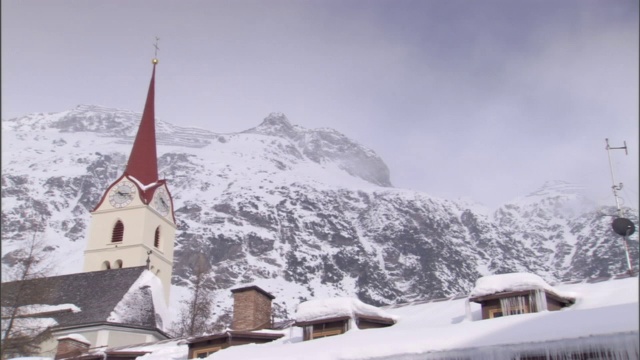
121 296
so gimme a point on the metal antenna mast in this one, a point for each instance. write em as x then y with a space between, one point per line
615 187
623 227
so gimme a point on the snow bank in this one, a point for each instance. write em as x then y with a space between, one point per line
44 308
492 284
335 307
178 352
174 349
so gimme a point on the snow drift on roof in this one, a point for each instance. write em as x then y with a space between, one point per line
76 337
336 307
36 309
134 306
492 284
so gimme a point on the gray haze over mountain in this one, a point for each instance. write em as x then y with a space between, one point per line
474 99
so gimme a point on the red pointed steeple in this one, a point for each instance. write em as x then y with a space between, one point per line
143 161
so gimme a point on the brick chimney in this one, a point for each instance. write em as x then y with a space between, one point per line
71 345
251 308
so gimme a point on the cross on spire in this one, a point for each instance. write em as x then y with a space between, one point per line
155 45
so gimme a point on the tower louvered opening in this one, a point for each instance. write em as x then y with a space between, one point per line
156 239
118 232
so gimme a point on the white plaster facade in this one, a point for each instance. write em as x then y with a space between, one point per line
140 223
102 335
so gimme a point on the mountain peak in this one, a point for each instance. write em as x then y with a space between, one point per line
276 124
557 187
276 120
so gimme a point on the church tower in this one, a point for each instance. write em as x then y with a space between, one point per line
134 222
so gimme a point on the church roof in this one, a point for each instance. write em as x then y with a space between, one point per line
99 296
143 161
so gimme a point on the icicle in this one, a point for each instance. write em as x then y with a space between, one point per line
467 310
619 346
539 298
513 305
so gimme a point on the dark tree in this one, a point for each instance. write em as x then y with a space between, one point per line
195 316
22 330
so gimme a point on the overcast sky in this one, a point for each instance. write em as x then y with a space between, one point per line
464 98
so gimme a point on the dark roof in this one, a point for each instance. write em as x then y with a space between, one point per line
96 293
281 325
253 287
376 319
370 318
322 321
235 334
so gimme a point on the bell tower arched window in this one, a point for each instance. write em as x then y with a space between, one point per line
156 239
118 232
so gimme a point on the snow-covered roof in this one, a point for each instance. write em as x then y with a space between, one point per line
318 309
494 284
128 296
605 315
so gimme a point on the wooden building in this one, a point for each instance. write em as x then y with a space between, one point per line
202 346
339 325
336 316
518 293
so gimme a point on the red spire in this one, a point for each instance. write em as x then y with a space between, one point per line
143 161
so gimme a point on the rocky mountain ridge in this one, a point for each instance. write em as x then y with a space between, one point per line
302 213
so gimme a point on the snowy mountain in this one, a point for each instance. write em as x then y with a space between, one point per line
302 213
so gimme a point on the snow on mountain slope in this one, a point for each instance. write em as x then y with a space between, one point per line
302 213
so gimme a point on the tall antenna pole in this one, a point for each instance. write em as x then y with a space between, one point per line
615 189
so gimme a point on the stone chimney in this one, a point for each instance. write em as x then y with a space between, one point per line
251 308
71 345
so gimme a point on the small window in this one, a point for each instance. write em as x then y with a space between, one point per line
494 313
118 232
327 329
106 266
204 353
117 264
156 239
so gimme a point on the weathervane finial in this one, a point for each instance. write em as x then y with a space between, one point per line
155 45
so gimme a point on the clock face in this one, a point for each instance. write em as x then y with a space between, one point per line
161 201
122 194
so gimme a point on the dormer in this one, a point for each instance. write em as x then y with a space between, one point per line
327 317
516 293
